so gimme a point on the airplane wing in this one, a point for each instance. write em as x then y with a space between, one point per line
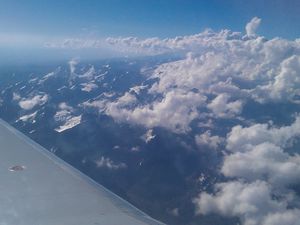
37 188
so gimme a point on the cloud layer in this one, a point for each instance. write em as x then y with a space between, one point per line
218 73
230 92
265 174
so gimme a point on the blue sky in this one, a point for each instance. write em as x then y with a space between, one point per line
30 22
162 18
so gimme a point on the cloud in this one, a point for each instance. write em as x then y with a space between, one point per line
264 162
221 106
254 203
137 46
252 26
207 139
30 103
180 44
109 164
258 153
265 174
89 74
285 85
97 104
174 111
290 217
16 97
148 136
76 43
218 72
242 139
72 63
88 87
64 112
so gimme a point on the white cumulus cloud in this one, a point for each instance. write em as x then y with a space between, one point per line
31 102
264 172
175 111
219 72
253 203
207 139
104 162
252 26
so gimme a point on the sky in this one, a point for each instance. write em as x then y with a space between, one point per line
32 23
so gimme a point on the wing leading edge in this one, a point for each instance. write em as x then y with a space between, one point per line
37 188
